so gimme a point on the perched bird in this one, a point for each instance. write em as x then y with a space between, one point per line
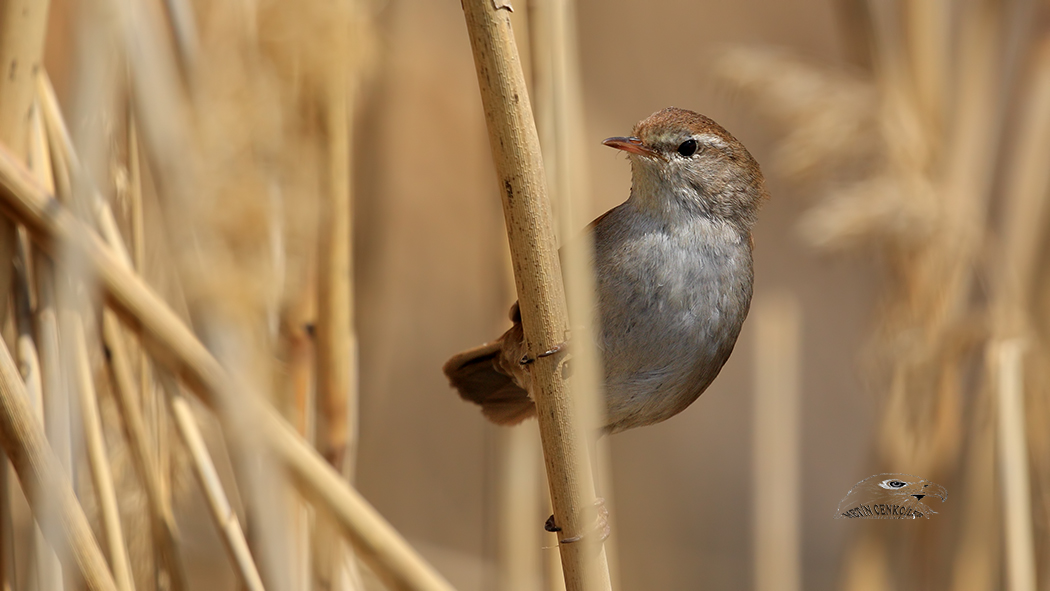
890 496
674 275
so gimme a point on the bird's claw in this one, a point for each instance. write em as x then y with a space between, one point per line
601 524
527 360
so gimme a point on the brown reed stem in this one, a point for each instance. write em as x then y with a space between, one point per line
541 295
225 519
173 344
43 479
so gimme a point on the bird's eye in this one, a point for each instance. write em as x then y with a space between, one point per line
893 484
688 148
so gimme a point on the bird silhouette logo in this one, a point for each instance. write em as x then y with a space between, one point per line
890 496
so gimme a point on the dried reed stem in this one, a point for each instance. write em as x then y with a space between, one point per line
518 551
23 26
976 566
152 407
929 34
521 500
225 519
98 456
1013 466
1027 195
48 490
777 322
175 345
127 397
541 295
336 355
162 521
46 563
8 579
559 120
62 145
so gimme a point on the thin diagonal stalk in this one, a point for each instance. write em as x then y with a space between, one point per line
43 479
165 533
98 457
225 519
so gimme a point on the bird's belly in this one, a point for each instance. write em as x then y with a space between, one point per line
666 340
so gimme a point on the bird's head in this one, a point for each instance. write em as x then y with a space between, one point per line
683 161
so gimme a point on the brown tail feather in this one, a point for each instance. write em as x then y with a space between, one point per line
476 375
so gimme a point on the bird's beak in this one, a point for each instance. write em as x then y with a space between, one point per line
629 144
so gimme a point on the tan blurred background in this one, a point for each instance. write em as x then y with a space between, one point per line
431 279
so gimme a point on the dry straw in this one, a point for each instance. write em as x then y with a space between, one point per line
942 173
195 147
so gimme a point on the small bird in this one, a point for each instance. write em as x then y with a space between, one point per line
674 277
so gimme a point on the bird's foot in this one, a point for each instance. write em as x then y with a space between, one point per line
601 524
527 359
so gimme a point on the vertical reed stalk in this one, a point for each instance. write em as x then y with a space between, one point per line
777 463
1013 466
1027 203
23 26
976 565
541 295
518 550
336 357
46 564
560 121
8 577
152 407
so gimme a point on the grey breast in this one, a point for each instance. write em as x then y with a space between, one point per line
672 299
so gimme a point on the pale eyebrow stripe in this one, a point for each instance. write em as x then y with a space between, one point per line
711 140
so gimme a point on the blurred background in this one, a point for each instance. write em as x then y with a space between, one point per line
899 267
